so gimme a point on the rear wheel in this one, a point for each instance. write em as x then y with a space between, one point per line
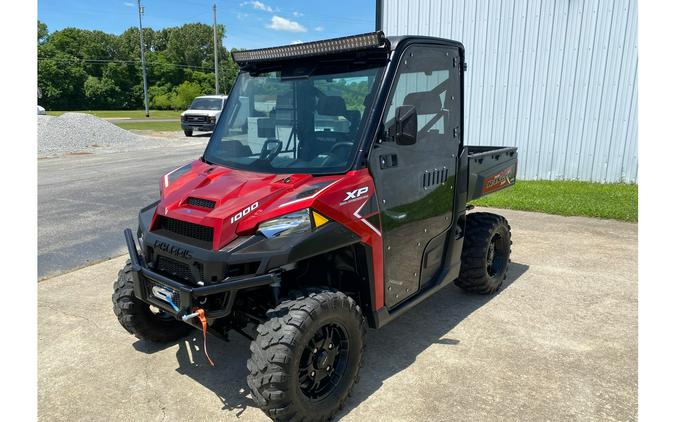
188 133
486 253
307 356
140 319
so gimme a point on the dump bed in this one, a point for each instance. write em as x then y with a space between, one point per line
491 169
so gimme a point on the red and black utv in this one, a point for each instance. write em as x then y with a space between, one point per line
332 196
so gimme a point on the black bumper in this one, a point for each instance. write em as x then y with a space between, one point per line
202 127
186 295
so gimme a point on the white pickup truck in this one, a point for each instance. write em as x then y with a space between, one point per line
202 114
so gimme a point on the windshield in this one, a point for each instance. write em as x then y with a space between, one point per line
206 104
294 120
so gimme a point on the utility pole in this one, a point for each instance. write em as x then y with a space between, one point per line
216 44
145 78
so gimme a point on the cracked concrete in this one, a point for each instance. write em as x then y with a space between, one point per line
559 342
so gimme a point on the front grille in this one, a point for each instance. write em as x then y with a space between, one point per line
192 119
177 269
184 228
174 268
199 202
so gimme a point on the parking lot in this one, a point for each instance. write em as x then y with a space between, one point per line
558 342
86 199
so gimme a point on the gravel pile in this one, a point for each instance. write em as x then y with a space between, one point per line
76 132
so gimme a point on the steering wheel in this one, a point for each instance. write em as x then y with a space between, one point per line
335 149
336 154
271 148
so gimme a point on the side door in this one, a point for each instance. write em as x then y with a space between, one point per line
415 182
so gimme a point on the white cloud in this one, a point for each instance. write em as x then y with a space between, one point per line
282 24
257 5
296 42
129 4
319 28
298 14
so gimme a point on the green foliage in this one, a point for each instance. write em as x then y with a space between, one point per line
42 32
81 69
185 93
61 80
617 201
101 92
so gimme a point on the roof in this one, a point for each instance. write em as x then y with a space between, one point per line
212 96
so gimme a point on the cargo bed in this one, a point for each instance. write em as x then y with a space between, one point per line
491 169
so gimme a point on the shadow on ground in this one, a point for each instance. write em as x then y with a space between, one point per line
389 350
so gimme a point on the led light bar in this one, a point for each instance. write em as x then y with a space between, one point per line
335 45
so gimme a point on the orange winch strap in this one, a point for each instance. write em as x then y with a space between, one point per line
202 319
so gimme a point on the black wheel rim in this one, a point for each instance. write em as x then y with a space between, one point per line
496 256
323 362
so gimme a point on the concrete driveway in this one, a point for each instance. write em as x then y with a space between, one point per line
558 342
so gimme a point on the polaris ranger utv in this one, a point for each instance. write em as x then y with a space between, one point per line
332 196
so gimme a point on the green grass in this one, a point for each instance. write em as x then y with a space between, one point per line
150 125
616 201
132 114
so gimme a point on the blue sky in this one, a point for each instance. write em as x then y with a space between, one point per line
249 24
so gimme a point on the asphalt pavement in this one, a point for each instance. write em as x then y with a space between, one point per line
558 341
85 200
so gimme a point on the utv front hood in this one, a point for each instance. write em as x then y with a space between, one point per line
226 200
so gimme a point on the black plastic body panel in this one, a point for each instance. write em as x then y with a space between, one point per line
416 190
451 258
269 254
491 169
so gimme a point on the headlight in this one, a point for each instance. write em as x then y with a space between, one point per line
295 222
212 119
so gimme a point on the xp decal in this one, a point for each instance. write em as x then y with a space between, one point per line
354 195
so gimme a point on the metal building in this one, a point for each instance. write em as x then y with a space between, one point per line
556 78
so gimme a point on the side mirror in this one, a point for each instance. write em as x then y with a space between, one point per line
405 125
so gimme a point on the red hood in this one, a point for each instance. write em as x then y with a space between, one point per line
242 199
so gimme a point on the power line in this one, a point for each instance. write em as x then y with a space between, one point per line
76 60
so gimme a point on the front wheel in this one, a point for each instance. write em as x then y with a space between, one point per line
139 318
187 133
307 356
486 253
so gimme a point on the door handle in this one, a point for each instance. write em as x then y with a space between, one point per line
388 161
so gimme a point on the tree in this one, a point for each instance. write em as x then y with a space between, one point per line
80 68
101 93
61 79
185 93
42 32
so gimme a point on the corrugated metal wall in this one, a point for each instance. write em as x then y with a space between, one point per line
556 78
